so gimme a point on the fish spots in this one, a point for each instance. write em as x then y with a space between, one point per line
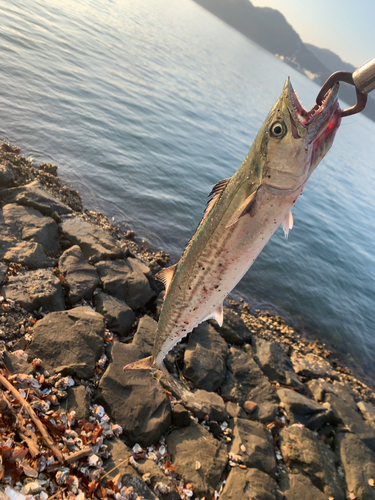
204 290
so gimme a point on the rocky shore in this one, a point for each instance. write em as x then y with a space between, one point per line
264 413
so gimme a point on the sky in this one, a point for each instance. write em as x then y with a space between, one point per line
344 26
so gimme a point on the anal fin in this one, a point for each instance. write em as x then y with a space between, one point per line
287 224
217 315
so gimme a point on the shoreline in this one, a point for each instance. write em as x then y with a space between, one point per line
61 268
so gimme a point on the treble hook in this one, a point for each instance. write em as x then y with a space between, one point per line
343 76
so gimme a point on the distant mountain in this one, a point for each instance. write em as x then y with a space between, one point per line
269 29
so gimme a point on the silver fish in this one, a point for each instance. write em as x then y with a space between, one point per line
242 215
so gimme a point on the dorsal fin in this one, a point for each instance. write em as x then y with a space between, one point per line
215 193
166 276
247 207
287 223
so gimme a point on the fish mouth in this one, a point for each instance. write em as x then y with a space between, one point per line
319 115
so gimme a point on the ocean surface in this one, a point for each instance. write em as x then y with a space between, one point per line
146 105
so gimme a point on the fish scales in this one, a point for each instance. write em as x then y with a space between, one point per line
242 215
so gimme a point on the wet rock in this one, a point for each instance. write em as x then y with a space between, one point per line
195 444
126 280
299 487
95 243
234 330
234 410
118 315
312 366
304 453
80 277
76 350
353 420
249 483
156 476
35 289
35 196
28 254
14 364
275 363
245 381
7 175
254 444
180 416
78 400
368 412
359 465
3 271
134 398
29 224
301 409
129 476
205 357
202 403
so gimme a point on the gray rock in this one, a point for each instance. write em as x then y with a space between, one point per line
3 271
129 476
254 444
118 315
368 412
35 289
156 476
249 484
144 337
275 363
7 175
78 400
359 465
29 224
304 453
127 280
80 277
234 410
353 420
234 329
312 366
202 403
35 196
299 487
95 243
180 416
195 444
205 357
306 411
69 342
134 398
16 365
245 381
28 254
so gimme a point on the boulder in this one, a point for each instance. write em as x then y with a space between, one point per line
144 337
245 381
29 224
157 477
312 366
235 410
14 364
134 398
299 487
78 399
29 254
304 453
254 444
200 459
35 196
249 484
180 416
368 412
35 289
203 403
275 363
96 243
127 280
234 330
3 272
118 315
80 277
7 175
69 342
204 359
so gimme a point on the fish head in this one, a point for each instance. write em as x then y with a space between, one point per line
294 140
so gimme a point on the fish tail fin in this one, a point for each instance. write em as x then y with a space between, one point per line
141 364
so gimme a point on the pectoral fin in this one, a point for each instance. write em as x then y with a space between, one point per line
287 223
247 207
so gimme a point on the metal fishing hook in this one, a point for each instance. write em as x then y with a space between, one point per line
363 79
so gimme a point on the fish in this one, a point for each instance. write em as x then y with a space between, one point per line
241 215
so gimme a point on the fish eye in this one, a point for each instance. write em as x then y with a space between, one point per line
278 129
